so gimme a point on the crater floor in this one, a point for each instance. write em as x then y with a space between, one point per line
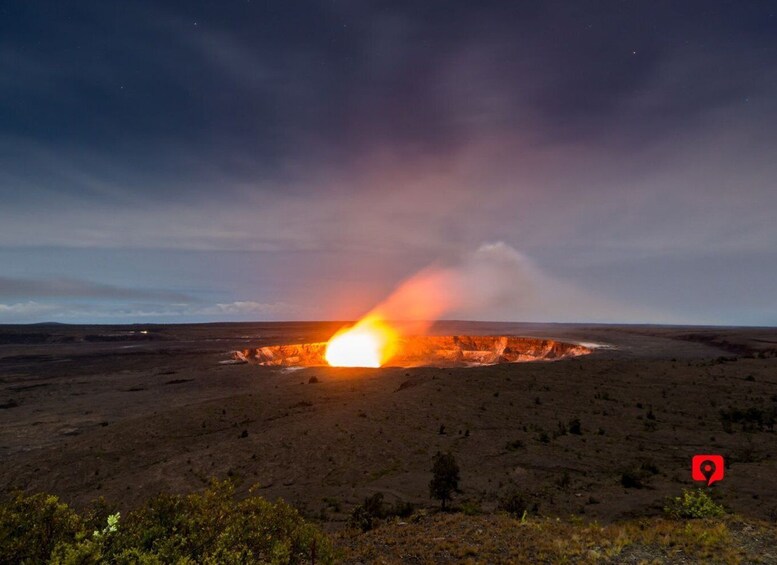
432 351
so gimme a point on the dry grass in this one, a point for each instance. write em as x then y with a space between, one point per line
456 538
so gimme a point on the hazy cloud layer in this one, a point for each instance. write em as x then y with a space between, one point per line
26 312
316 154
63 287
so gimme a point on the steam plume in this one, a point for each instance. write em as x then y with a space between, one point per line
496 282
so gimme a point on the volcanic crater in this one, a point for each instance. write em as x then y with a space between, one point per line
433 351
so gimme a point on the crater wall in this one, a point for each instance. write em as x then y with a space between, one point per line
437 351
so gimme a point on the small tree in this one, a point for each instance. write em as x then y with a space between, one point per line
445 480
365 515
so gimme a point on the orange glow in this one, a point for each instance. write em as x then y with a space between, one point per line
370 343
409 310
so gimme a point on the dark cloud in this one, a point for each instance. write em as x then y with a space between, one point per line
198 92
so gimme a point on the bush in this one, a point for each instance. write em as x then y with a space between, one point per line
693 503
94 548
31 526
214 526
366 516
514 503
360 519
208 527
638 477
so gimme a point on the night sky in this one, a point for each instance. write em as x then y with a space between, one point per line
246 160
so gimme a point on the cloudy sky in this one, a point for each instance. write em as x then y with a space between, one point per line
247 160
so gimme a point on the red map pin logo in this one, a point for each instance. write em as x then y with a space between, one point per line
707 468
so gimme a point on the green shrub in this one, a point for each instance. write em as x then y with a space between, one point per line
87 549
360 519
213 526
208 527
693 503
367 514
31 526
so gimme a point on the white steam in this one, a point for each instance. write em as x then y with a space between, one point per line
496 283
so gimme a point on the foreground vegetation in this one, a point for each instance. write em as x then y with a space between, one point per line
694 529
216 527
209 527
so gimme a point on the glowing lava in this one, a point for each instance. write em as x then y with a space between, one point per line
411 308
370 343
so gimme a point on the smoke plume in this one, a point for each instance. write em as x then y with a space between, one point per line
496 282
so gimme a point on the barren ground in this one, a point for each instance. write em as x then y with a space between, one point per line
100 411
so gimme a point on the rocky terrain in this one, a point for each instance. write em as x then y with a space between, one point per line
128 411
